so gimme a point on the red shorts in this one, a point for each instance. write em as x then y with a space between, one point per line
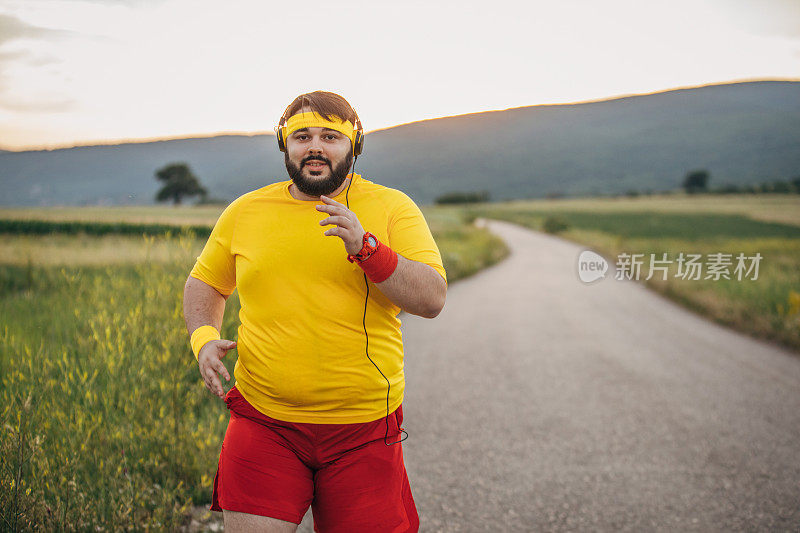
350 478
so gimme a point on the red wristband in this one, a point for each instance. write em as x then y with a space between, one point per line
381 264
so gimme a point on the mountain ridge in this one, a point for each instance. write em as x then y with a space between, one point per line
742 132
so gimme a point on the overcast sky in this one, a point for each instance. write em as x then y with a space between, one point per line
81 72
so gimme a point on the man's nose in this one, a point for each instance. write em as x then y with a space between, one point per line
315 146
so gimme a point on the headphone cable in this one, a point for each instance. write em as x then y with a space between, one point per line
364 322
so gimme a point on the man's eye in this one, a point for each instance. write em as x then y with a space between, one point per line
330 136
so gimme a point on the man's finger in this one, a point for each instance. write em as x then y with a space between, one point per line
333 210
216 384
206 381
224 346
330 201
222 370
231 345
338 220
207 373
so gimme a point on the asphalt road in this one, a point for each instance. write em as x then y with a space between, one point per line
535 402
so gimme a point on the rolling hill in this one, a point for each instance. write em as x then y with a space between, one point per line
742 133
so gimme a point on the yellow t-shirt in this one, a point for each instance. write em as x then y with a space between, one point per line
302 347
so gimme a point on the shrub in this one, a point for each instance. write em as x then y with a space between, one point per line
463 197
554 224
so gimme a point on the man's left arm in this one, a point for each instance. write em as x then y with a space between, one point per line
414 287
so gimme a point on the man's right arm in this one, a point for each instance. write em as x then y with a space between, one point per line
203 305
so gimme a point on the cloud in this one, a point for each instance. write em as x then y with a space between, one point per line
12 28
15 55
37 106
41 60
7 58
764 17
26 56
129 3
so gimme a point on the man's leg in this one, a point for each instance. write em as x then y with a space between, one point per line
261 482
365 491
250 523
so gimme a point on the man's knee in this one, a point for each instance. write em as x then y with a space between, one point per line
236 522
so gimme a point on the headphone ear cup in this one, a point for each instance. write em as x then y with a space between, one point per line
358 145
281 143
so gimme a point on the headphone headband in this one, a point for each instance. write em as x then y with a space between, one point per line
313 120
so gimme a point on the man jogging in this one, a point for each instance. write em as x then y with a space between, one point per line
324 263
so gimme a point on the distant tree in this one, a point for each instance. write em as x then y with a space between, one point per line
729 188
782 187
211 200
179 183
796 183
463 197
696 181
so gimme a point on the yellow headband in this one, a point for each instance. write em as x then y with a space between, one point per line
313 120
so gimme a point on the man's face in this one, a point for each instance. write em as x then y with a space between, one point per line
318 159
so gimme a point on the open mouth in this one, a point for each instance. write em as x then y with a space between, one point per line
315 167
315 163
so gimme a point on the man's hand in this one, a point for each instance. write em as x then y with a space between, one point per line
348 228
210 364
414 287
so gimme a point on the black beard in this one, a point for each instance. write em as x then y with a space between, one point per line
313 187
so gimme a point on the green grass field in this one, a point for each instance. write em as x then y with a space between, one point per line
767 307
105 424
181 215
767 207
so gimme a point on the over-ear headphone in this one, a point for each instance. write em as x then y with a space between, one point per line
358 142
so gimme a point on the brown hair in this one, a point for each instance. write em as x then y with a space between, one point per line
323 103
